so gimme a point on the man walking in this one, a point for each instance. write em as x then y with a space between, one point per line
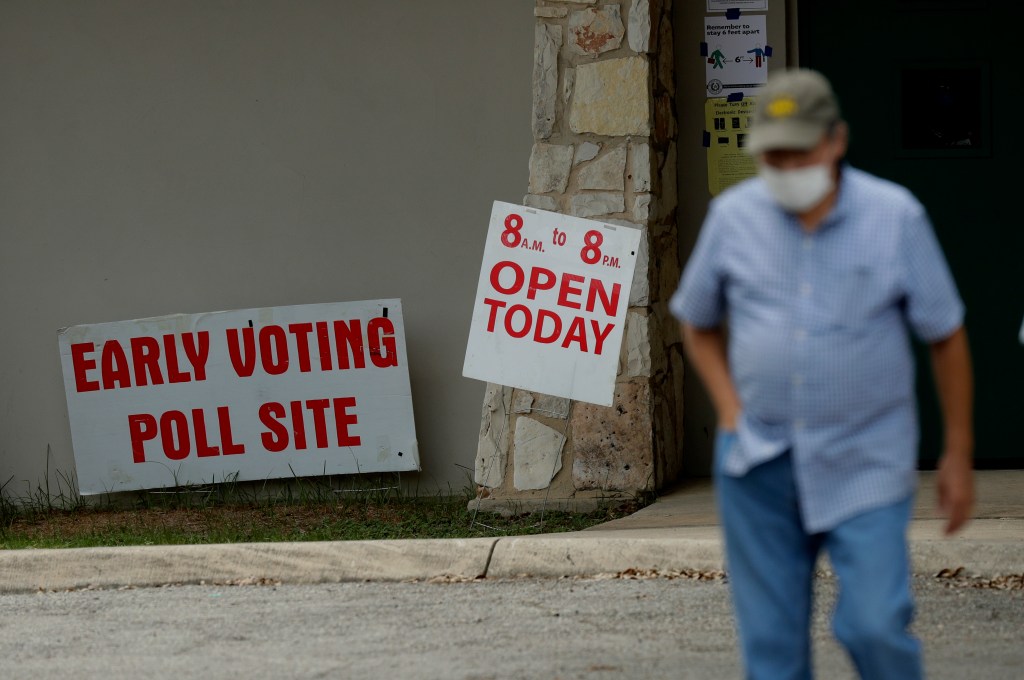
717 57
821 272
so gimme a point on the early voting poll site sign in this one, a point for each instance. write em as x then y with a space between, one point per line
551 303
249 394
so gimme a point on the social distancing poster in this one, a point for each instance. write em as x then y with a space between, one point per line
737 52
551 303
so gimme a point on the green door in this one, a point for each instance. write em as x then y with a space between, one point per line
932 90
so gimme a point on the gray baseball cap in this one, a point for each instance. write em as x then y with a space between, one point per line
794 111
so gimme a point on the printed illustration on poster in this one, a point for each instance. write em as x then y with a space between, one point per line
737 54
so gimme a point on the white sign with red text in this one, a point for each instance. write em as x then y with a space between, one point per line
551 303
248 394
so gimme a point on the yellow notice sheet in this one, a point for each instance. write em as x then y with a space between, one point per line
728 124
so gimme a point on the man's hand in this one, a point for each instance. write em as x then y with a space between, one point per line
951 365
955 483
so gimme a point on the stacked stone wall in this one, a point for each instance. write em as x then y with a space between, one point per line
604 148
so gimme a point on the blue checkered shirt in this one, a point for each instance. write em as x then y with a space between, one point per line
819 335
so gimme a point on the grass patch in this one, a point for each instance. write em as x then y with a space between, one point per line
304 511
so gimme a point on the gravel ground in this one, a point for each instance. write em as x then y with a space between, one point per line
529 628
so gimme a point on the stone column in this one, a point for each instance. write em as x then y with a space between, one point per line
604 148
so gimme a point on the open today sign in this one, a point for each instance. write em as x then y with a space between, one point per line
551 303
257 393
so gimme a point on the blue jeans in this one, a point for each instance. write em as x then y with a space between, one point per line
770 560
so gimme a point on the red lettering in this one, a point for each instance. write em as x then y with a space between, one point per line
301 332
319 407
174 374
520 277
229 447
538 332
349 338
146 359
342 420
527 321
203 448
495 306
323 344
274 350
276 440
381 331
600 335
81 365
141 428
576 333
596 290
566 289
536 283
243 365
174 434
114 366
196 354
298 426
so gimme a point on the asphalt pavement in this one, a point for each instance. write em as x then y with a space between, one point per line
510 629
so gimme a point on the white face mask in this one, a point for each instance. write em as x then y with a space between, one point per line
799 189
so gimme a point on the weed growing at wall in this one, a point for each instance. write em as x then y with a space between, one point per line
362 507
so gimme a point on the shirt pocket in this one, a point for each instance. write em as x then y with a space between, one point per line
861 290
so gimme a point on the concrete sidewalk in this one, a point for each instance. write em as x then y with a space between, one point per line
676 533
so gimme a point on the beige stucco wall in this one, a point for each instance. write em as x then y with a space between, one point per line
160 157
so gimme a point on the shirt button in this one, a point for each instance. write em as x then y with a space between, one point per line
800 334
798 380
808 243
798 424
805 289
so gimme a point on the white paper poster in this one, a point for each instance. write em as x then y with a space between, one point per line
728 124
551 303
248 394
736 59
